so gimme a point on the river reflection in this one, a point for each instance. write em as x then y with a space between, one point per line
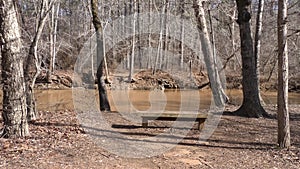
52 100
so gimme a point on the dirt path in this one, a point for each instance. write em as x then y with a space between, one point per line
57 141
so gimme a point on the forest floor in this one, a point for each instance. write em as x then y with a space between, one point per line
57 140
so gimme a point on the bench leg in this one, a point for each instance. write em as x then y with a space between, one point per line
201 124
145 122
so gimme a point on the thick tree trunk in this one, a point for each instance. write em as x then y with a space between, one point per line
215 82
104 104
251 106
14 101
282 97
30 100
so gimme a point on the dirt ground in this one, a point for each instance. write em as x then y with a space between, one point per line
58 141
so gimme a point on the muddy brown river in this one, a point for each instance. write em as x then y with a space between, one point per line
52 100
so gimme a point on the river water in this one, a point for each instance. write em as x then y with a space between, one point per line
51 100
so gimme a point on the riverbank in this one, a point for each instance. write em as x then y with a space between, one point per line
145 80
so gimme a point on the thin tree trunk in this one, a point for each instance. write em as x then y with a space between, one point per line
51 44
233 50
251 106
149 54
53 38
14 111
212 36
34 57
157 64
131 68
104 103
215 82
139 36
214 55
166 56
104 58
158 53
257 42
282 98
182 33
104 48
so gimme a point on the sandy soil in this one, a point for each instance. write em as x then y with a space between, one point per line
58 141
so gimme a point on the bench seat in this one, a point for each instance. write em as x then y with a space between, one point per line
174 116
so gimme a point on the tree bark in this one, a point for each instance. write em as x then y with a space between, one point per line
14 101
34 59
251 106
104 103
158 58
131 67
104 49
53 38
181 9
257 42
215 82
282 96
149 60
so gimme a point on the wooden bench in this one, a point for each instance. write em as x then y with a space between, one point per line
174 116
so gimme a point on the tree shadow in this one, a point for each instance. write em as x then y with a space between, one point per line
234 113
122 126
227 144
213 143
56 124
294 117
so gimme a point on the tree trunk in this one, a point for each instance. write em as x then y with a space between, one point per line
53 38
149 60
257 42
181 9
104 49
251 106
233 44
131 68
104 103
282 96
158 58
215 82
34 57
14 112
166 56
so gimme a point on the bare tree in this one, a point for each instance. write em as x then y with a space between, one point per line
257 41
251 106
282 98
53 38
258 31
131 67
158 58
14 99
215 82
34 59
181 10
104 104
